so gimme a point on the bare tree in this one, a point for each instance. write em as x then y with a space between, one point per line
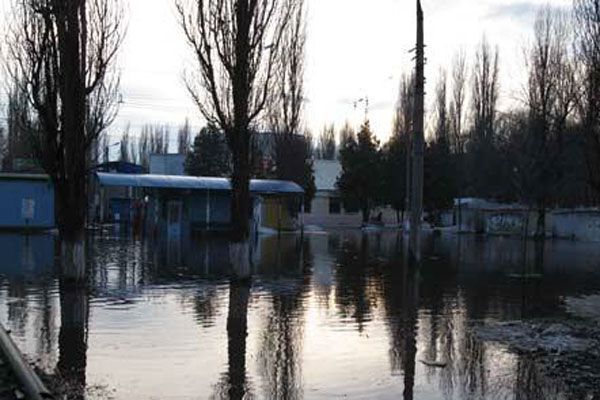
483 158
441 107
457 111
485 91
159 139
19 124
237 44
143 146
184 138
64 52
587 18
327 145
403 127
286 105
458 100
125 149
403 116
550 99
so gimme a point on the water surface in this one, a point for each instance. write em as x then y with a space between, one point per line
325 316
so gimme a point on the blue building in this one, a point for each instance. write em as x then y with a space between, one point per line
114 204
179 205
27 201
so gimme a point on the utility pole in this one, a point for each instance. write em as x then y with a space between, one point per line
418 144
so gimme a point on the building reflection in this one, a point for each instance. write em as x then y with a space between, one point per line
360 280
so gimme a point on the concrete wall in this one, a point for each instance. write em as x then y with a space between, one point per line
26 203
581 225
320 216
502 221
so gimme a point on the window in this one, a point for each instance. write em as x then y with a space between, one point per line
335 205
307 207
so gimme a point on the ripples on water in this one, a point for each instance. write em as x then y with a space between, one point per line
324 316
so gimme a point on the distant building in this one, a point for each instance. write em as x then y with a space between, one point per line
327 209
27 201
167 164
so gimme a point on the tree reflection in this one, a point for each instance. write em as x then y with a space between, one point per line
72 340
352 281
233 384
282 338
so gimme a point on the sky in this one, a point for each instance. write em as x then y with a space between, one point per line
355 49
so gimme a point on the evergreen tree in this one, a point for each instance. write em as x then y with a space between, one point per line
360 181
210 155
294 162
439 189
394 173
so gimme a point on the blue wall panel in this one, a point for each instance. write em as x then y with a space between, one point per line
12 194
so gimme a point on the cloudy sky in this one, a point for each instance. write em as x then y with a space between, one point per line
355 49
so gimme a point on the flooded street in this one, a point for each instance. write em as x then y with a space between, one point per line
325 316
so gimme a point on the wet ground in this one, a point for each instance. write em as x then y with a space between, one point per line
326 316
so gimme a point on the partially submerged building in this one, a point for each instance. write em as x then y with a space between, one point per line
328 210
27 201
114 204
181 205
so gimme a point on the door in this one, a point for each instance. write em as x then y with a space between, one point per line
174 219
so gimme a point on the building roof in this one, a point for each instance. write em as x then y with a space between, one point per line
23 177
122 167
327 173
487 205
194 183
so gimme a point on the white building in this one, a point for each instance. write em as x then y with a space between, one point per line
167 164
327 209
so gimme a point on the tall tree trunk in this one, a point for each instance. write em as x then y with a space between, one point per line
71 185
240 201
70 211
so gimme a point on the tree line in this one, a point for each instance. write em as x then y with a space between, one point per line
543 152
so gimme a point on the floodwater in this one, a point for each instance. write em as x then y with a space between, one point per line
325 316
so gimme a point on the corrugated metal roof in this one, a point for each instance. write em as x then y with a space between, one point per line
194 183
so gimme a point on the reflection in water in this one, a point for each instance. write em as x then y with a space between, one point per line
234 383
282 336
316 320
409 322
71 367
